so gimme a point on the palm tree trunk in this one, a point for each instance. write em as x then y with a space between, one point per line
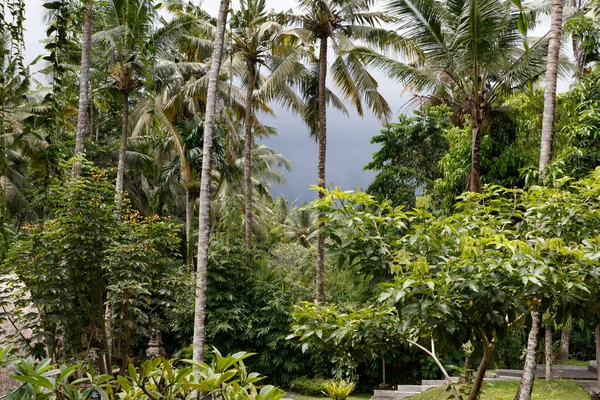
188 228
320 279
474 182
549 353
123 148
551 77
528 377
84 83
204 217
251 77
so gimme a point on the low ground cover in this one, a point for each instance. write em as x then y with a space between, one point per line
559 389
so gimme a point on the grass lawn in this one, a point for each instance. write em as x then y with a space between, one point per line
351 397
578 363
559 389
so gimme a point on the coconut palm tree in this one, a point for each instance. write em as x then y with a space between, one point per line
20 147
205 181
470 54
253 33
126 29
550 89
84 83
350 27
301 227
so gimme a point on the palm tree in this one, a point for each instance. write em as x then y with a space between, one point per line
550 91
351 27
253 34
205 181
470 55
19 146
126 27
84 83
301 227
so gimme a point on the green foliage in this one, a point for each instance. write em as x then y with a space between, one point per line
472 274
338 390
410 152
347 336
64 271
510 351
146 279
159 378
307 387
454 166
56 266
579 133
249 308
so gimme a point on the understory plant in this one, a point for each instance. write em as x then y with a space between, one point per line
338 389
158 378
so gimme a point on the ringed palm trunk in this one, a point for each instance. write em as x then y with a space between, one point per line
550 92
84 83
251 77
123 148
204 214
188 227
474 184
478 114
528 376
320 278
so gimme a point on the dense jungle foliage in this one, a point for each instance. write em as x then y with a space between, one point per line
137 218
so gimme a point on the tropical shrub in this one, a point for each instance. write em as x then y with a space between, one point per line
159 378
338 389
308 387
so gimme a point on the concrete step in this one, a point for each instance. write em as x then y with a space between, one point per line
409 388
558 371
437 382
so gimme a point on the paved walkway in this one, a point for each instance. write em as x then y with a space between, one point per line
589 386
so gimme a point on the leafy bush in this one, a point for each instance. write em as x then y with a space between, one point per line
225 376
338 390
308 387
583 345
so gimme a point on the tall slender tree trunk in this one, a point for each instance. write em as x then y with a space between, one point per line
320 279
528 376
204 217
563 349
84 85
549 352
551 77
188 228
251 77
474 184
123 148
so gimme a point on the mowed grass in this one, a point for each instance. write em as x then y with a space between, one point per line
577 363
351 397
559 389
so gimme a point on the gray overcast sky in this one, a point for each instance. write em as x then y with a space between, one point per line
349 147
